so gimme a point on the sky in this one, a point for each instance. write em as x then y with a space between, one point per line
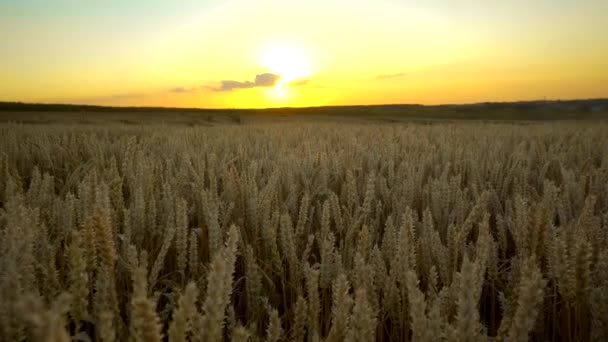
291 53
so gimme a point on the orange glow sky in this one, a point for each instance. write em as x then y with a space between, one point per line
270 53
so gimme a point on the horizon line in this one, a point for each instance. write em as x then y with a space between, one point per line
92 106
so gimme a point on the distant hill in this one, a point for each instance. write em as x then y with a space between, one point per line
524 110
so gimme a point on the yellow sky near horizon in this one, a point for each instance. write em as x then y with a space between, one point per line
304 53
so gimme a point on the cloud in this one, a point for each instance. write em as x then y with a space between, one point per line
299 82
183 90
389 76
261 80
266 80
228 85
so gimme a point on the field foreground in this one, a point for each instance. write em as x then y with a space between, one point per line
304 231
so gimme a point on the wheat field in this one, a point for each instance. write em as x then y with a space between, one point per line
304 231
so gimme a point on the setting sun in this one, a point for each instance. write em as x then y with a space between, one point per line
288 60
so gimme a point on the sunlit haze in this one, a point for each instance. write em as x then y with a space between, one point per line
270 53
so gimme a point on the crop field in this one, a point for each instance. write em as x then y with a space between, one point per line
304 230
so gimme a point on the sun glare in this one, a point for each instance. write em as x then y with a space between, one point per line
288 60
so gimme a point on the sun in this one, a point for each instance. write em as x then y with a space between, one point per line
289 60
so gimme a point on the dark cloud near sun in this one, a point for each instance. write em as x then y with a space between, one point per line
228 85
266 80
261 80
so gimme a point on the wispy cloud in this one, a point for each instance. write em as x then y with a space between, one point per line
300 82
389 76
184 90
260 80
